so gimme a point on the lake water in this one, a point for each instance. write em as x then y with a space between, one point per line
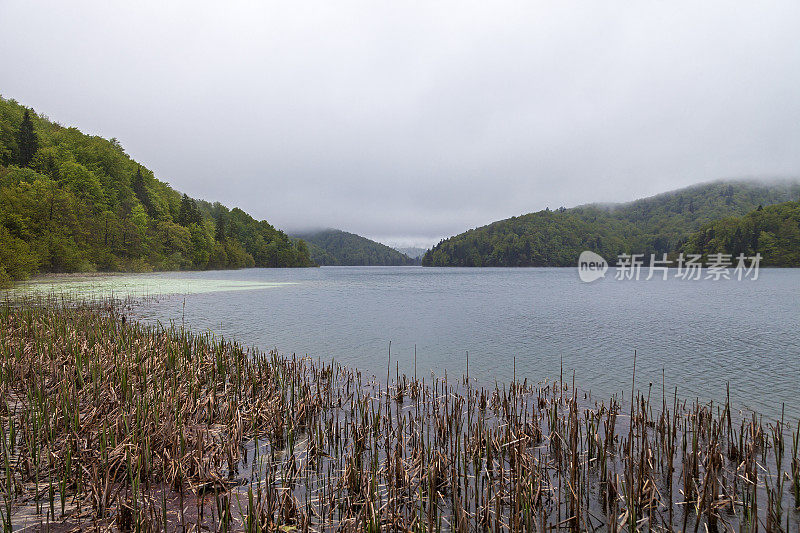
702 334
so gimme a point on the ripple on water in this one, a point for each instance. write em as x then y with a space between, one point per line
702 334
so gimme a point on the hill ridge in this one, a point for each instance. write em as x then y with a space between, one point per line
72 202
661 223
335 247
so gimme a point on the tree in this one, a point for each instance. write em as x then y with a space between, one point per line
302 247
188 213
27 140
219 231
75 202
116 144
141 192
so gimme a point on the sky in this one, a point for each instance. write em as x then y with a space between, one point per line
409 122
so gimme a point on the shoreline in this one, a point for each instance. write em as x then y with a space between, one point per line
45 276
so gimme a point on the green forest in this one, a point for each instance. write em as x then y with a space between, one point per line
772 231
71 202
333 247
666 223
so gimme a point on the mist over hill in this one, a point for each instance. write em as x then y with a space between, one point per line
664 223
414 252
332 247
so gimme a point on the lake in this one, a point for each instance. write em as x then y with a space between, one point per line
701 334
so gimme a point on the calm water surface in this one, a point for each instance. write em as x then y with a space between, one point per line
701 334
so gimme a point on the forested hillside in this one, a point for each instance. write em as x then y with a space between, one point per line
72 202
772 231
660 224
335 247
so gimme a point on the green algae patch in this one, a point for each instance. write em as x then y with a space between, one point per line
138 285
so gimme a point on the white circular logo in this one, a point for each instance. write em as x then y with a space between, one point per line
591 266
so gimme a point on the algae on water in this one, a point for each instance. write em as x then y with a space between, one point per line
135 285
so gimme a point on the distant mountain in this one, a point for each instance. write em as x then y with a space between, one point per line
412 251
659 224
333 247
71 202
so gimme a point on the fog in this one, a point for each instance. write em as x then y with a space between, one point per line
409 122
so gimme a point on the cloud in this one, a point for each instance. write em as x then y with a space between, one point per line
415 121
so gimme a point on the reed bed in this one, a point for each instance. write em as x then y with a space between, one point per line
108 424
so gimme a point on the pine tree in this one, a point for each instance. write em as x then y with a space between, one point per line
183 213
189 213
141 191
219 232
27 140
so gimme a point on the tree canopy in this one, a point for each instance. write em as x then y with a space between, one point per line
335 247
660 224
71 202
772 231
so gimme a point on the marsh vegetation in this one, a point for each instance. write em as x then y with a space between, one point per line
111 424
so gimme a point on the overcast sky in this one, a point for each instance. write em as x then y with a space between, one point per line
409 122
